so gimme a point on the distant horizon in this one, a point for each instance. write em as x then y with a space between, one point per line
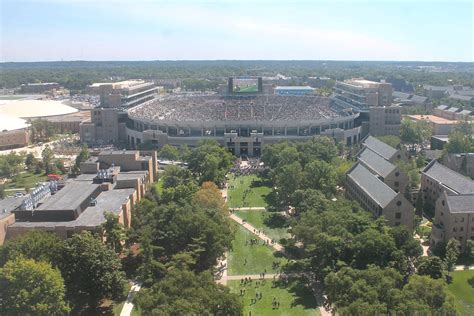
146 30
217 60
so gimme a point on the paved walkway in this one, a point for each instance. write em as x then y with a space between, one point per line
264 237
128 306
256 208
257 233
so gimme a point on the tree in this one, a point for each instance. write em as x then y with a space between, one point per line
35 244
183 292
31 162
423 295
184 152
320 175
458 143
452 254
210 162
381 291
91 271
2 191
169 152
113 231
431 266
391 140
287 180
415 132
28 287
83 156
47 156
470 248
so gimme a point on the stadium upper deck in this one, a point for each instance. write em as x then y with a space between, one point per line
218 108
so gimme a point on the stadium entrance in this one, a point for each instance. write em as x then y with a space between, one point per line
240 145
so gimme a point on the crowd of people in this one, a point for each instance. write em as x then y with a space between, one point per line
212 107
247 166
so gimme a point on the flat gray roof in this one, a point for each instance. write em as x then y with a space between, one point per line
381 193
92 216
10 204
69 197
449 178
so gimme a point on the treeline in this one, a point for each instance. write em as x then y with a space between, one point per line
76 75
183 228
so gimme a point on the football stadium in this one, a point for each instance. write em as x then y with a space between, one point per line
242 123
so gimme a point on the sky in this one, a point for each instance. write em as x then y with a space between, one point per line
416 30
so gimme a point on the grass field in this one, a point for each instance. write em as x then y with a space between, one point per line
257 219
25 179
463 291
159 186
238 197
294 299
259 257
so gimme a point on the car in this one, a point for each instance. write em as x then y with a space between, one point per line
18 194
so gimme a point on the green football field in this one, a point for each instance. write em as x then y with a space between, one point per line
248 89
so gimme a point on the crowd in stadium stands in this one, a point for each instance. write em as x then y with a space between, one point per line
199 108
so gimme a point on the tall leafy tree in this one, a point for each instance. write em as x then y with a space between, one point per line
37 245
452 254
114 232
28 287
169 152
92 271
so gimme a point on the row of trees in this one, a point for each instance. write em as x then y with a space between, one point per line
182 230
77 75
295 168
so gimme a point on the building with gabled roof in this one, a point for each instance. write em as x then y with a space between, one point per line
377 197
382 149
386 171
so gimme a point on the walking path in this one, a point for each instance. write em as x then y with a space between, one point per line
256 208
128 306
257 232
223 280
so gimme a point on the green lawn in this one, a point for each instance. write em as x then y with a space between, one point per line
259 257
26 178
294 299
257 219
159 186
239 196
463 291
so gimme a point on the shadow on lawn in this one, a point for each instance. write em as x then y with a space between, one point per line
276 221
303 294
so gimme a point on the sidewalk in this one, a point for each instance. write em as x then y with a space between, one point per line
128 306
260 235
256 208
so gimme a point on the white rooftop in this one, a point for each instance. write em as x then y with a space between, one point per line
10 123
34 108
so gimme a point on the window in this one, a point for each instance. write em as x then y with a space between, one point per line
461 229
442 202
396 184
455 229
397 174
462 219
398 215
399 203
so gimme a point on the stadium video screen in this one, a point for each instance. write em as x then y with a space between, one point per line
245 85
